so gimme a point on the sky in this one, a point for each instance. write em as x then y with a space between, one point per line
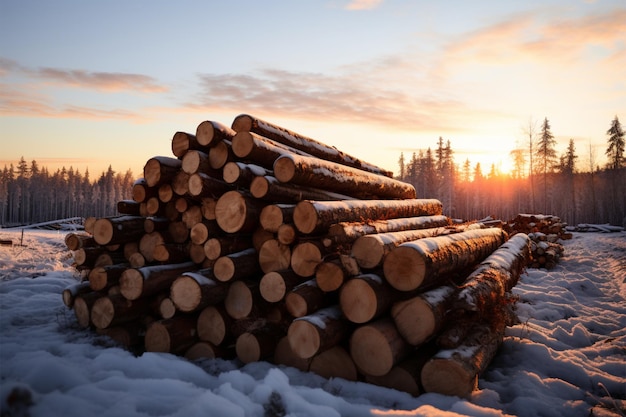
89 85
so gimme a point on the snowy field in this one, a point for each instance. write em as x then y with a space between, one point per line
566 358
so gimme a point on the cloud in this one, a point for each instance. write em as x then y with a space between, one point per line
363 4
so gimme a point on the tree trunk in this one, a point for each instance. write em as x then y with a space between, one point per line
174 335
317 332
274 256
178 232
306 298
273 215
226 245
419 318
430 260
318 173
220 154
149 242
262 151
237 213
270 189
129 207
75 241
317 216
114 230
202 185
160 169
365 297
209 133
83 303
377 346
193 291
151 280
275 285
102 277
207 350
245 122
235 266
242 174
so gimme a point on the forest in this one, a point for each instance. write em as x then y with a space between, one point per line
542 181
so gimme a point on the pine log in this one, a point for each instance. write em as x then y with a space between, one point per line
196 254
455 371
149 242
377 346
238 265
182 203
114 310
174 335
218 246
153 207
202 231
151 280
129 335
114 230
165 193
330 275
317 332
322 174
307 298
209 133
83 303
140 191
72 291
220 154
262 151
180 183
102 277
165 307
160 169
317 216
287 234
366 297
171 253
208 207
497 274
419 318
198 161
305 257
236 212
370 250
258 344
284 355
88 256
274 256
245 122
244 300
260 236
214 325
183 142
427 261
193 291
269 188
89 224
75 241
202 185
137 260
273 215
334 363
242 174
275 285
192 216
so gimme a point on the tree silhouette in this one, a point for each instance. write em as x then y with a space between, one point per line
546 157
615 150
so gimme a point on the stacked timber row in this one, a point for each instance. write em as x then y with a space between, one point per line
545 233
258 243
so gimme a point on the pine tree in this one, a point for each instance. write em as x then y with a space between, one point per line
615 150
546 157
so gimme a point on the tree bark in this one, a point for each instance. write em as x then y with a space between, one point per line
182 142
317 216
207 350
202 185
318 173
259 150
114 230
428 261
171 253
193 291
129 207
317 332
236 266
242 174
150 280
245 122
284 355
114 310
174 335
102 277
160 169
306 298
377 346
70 292
269 188
209 133
218 246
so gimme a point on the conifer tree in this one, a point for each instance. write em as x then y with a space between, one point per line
616 142
546 157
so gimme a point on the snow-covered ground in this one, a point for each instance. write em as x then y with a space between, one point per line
566 358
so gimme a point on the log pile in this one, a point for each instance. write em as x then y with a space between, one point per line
545 233
257 243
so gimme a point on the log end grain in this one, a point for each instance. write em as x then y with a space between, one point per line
304 338
334 363
414 319
102 313
248 348
212 325
242 144
103 231
205 133
239 300
305 217
376 347
202 350
274 256
404 268
284 168
272 287
98 278
219 155
284 355
271 218
259 187
231 211
181 142
185 293
368 251
358 301
296 305
131 284
329 276
82 312
242 123
192 161
305 258
231 172
157 338
166 308
448 377
398 378
224 269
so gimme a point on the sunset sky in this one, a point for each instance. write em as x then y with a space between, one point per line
89 84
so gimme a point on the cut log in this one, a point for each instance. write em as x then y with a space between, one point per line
202 185
193 291
273 215
196 254
284 355
83 304
218 246
183 142
89 224
153 207
497 274
171 253
275 285
208 207
427 261
242 174
366 297
245 122
260 236
244 300
129 335
160 169
274 256
334 363
306 298
305 257
102 277
201 232
178 231
114 230
151 280
258 344
75 241
262 151
220 154
141 191
180 183
192 216
419 318
456 371
209 133
183 203
149 242
370 250
72 291
237 213
330 275
377 346
88 256
174 335
214 325
317 332
287 234
165 307
322 174
317 216
239 265
269 188
114 310
198 161
129 207
165 193
207 350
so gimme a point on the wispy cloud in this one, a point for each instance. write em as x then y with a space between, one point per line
363 4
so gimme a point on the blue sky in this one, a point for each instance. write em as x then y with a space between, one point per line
90 84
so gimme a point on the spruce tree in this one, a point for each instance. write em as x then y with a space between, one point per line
615 150
546 157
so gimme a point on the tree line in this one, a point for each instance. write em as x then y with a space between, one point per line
542 182
31 194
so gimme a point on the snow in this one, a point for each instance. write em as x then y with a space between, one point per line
567 357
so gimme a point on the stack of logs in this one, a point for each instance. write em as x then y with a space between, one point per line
545 232
258 243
